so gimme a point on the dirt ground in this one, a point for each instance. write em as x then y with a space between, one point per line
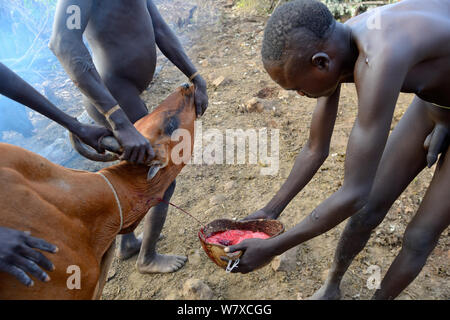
225 41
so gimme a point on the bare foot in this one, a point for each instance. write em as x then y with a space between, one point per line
327 292
161 264
129 246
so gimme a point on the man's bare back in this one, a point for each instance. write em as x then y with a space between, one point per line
404 27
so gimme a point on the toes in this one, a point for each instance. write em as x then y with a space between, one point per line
182 258
176 267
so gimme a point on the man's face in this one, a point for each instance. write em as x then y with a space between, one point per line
303 76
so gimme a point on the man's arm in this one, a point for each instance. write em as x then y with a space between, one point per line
171 47
310 158
12 86
67 44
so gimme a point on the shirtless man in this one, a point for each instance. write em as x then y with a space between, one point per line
306 50
123 36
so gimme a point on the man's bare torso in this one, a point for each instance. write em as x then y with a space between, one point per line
420 32
121 36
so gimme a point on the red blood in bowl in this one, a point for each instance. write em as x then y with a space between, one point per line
232 237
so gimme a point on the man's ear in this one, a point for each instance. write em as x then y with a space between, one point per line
321 60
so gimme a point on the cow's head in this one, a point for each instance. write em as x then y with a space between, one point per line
169 129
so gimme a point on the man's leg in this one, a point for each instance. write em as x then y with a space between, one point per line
149 261
421 235
403 158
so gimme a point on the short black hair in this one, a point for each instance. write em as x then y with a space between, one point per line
310 16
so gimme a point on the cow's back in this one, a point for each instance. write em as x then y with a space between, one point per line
23 208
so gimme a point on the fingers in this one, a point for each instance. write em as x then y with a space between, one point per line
201 102
141 154
40 244
37 257
204 107
31 268
18 273
99 148
436 144
150 153
126 154
134 155
237 247
198 109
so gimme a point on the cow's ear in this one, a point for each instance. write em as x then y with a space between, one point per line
152 171
154 168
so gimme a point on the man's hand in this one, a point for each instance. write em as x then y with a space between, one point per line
19 257
201 96
260 214
136 148
92 135
257 253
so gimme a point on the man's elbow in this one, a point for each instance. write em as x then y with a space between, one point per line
319 154
58 45
54 46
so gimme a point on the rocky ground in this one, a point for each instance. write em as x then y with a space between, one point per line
224 42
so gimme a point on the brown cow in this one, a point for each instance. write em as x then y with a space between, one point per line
78 211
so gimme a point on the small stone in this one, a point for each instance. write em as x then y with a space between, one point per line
217 199
286 262
254 105
195 258
218 81
211 211
230 185
283 94
195 289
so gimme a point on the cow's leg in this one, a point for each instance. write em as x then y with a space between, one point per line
104 268
149 261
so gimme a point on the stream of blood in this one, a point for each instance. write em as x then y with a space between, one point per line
226 238
170 203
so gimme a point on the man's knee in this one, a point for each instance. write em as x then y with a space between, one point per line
419 240
170 190
368 218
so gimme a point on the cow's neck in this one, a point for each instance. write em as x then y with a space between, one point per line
136 196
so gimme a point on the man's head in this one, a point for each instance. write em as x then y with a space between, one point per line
297 51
